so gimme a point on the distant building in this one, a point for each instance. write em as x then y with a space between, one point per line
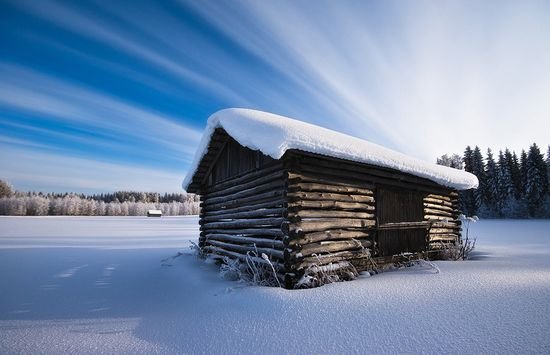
309 197
154 213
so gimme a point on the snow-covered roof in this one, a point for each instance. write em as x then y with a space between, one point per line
273 135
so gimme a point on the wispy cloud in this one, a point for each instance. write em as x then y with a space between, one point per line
114 36
33 169
34 92
424 77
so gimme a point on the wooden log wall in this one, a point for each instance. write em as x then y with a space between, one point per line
441 210
305 211
331 217
246 215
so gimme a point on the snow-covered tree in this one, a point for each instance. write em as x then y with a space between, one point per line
452 161
6 189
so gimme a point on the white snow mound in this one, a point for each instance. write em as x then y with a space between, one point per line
273 135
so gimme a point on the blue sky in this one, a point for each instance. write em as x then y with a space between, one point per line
102 96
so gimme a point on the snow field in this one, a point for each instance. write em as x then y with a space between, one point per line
96 285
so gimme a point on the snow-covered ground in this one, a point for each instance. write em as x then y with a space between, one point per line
96 285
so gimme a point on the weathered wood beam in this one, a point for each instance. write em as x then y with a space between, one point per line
440 207
331 258
438 202
244 223
268 212
278 175
299 215
263 197
326 235
359 170
277 185
325 196
330 205
328 247
242 257
245 177
244 248
251 232
269 204
320 187
326 224
238 239
431 211
431 217
297 178
214 160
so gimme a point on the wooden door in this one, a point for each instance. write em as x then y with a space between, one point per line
400 215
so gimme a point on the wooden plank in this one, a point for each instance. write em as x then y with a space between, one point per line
253 191
440 207
251 232
267 212
327 247
214 160
324 187
242 257
244 223
278 175
438 218
268 204
245 177
331 205
441 197
244 248
431 211
326 224
331 258
438 202
338 234
298 177
238 239
259 198
404 225
358 170
325 196
299 215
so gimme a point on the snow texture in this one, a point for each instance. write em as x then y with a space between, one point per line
97 285
273 135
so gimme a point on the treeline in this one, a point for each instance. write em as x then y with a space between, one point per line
510 186
123 203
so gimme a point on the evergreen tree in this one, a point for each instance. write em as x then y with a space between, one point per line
478 169
466 197
490 193
515 174
523 172
536 181
504 187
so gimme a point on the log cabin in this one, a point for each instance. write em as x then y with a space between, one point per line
315 199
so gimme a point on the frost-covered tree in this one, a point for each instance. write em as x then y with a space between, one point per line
6 190
452 161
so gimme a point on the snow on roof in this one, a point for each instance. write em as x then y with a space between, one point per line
273 135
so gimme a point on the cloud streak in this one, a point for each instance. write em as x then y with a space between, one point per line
60 173
427 78
33 92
